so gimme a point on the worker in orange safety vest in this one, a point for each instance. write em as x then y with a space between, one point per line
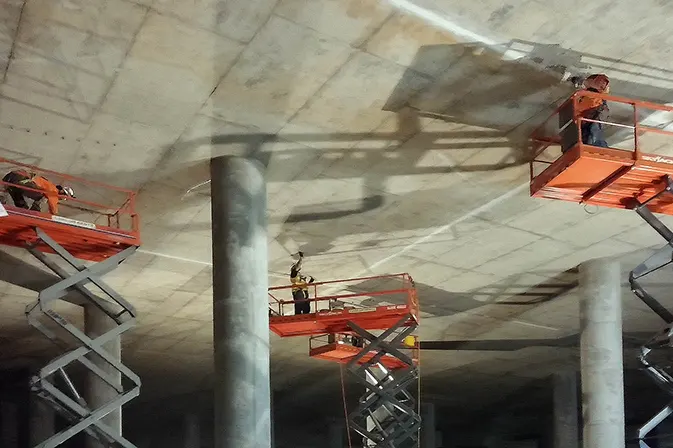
593 108
48 190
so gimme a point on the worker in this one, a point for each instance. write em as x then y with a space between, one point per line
47 189
300 288
593 109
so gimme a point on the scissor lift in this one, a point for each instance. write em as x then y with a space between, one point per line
619 176
91 228
371 341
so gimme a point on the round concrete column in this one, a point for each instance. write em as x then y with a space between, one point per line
240 304
98 392
601 354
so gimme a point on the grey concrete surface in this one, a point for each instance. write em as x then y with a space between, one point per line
142 93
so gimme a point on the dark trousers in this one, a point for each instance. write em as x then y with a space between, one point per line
301 303
592 134
18 195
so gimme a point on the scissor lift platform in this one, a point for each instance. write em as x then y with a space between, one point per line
92 243
337 305
99 225
340 323
617 177
336 321
387 414
604 176
85 227
344 353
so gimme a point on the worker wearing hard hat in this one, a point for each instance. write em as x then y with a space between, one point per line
48 190
593 109
300 288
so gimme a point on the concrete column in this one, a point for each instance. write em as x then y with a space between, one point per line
192 431
272 419
601 354
566 418
240 304
42 420
97 392
337 429
428 426
9 425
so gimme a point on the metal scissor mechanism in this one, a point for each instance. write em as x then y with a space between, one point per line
53 382
658 369
386 415
339 327
655 367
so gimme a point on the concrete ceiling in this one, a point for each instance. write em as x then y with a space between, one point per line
394 134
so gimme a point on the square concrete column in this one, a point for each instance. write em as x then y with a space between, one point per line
192 431
428 424
42 420
601 354
272 418
337 429
9 424
566 405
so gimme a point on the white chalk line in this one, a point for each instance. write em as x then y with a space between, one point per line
482 208
191 260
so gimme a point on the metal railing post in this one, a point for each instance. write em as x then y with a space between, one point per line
636 146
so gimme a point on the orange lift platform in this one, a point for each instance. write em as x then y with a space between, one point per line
342 348
99 225
341 325
626 174
335 303
622 175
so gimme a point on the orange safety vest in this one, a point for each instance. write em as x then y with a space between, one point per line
586 105
41 183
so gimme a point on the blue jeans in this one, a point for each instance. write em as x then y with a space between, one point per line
592 134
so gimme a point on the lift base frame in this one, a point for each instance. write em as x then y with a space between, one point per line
661 258
69 403
386 415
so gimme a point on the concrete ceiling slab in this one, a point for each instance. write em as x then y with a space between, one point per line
394 139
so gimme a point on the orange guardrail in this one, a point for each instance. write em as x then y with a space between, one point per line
106 207
335 294
632 117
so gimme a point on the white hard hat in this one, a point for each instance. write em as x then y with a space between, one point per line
66 191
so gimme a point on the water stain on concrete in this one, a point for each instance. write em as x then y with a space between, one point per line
498 16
